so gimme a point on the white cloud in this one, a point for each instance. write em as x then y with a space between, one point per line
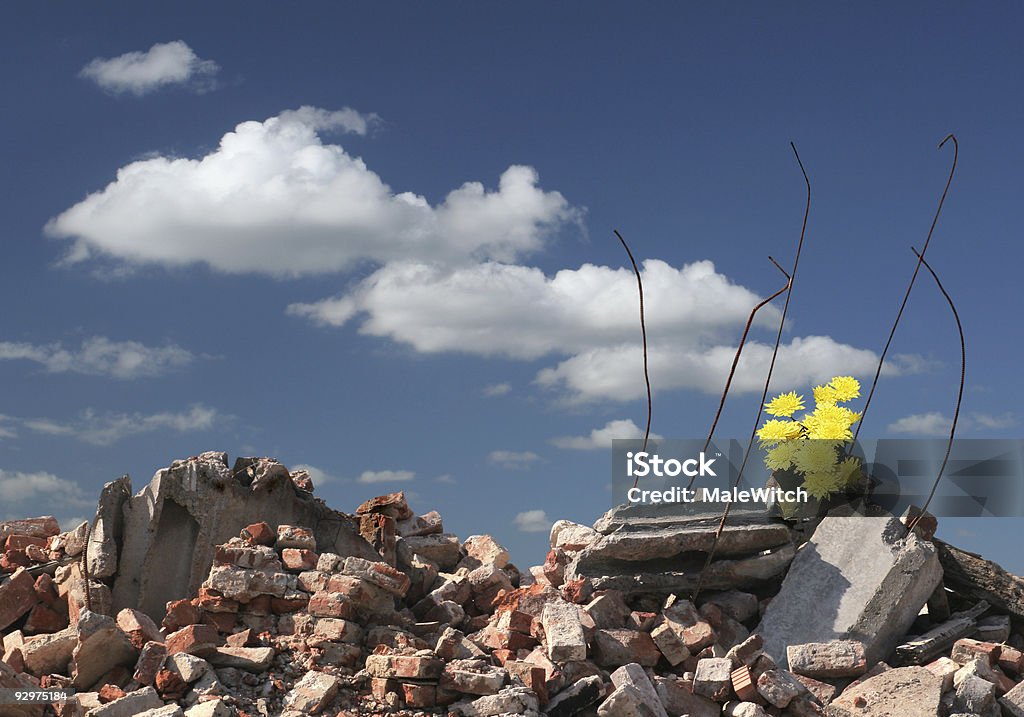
495 309
513 459
589 315
23 494
106 429
533 521
319 476
138 73
601 438
6 429
100 356
274 199
385 476
496 389
985 420
936 424
446 478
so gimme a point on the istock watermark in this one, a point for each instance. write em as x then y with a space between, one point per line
983 477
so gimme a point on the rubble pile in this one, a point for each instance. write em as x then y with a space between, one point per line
293 619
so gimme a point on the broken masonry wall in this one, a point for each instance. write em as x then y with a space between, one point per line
171 528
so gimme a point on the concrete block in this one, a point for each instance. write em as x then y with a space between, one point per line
859 578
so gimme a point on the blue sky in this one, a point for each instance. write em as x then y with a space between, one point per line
376 238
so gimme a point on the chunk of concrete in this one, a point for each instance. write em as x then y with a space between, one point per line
563 632
902 692
101 647
633 676
172 527
107 529
859 578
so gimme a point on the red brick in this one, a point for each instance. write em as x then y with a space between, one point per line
170 685
212 601
20 542
44 619
743 684
193 639
179 614
967 649
109 693
259 534
285 605
298 559
417 695
17 597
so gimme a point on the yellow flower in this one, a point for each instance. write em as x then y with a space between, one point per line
821 483
774 431
849 471
846 387
824 396
785 404
815 456
828 430
781 457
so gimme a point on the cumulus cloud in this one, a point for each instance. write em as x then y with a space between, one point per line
513 459
139 73
601 438
274 199
100 356
104 429
29 493
496 389
533 521
385 476
935 424
587 317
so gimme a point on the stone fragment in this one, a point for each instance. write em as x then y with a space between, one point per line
151 659
259 534
380 574
392 504
210 708
838 658
739 605
576 697
250 659
312 693
944 668
1011 659
298 559
131 705
48 654
139 627
747 652
332 629
995 628
901 692
1013 701
621 646
101 647
41 527
474 677
572 537
108 528
632 675
676 694
510 701
441 548
670 644
975 695
713 678
825 692
625 701
608 609
859 578
563 632
779 687
193 639
425 524
484 550
17 597
188 667
743 709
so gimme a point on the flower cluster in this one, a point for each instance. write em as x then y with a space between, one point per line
811 445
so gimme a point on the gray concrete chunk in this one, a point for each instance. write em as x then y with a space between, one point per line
859 578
